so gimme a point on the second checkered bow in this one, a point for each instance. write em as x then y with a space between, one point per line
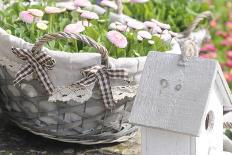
35 63
103 75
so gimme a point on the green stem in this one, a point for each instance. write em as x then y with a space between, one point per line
50 23
32 34
75 46
116 52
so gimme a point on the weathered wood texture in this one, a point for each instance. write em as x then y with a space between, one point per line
165 142
174 97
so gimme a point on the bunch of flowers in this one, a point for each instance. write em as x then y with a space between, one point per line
31 21
220 45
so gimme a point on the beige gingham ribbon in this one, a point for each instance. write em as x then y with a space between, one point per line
35 63
102 75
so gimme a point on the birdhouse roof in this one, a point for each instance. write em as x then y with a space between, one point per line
174 97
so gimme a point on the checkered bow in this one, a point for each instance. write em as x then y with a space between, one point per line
36 63
103 75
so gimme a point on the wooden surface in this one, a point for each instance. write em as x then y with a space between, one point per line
173 97
15 141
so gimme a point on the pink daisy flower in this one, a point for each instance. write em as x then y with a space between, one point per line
139 1
135 24
116 38
26 17
74 28
89 15
54 10
82 3
36 12
110 4
145 34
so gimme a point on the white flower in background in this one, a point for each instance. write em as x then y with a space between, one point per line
139 1
151 42
145 34
54 10
41 26
36 12
89 15
118 26
135 24
161 25
166 36
68 5
74 28
110 4
82 3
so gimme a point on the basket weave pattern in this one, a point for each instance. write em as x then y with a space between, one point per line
86 123
89 122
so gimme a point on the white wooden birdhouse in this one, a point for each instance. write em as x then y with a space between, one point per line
180 107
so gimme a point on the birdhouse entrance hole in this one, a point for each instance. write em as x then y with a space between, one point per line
209 122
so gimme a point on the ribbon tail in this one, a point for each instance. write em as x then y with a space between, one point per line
87 81
23 73
105 88
19 52
43 77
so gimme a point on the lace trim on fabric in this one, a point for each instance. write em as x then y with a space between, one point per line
81 94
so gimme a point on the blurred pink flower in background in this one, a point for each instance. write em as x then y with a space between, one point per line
116 38
208 48
26 17
229 25
209 55
227 41
36 12
229 63
82 3
54 10
229 54
228 76
213 23
139 1
110 4
89 15
74 28
221 34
